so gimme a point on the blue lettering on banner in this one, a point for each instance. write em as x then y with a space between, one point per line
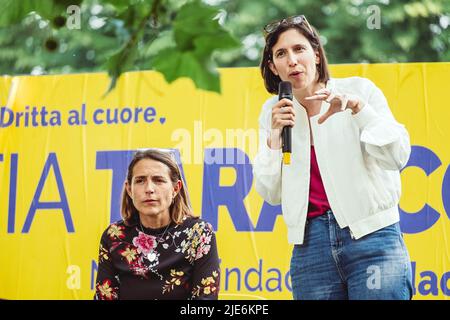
287 281
3 112
232 197
12 193
429 283
124 115
95 116
27 117
149 114
446 191
118 161
228 272
258 273
267 217
214 195
271 279
444 283
426 217
52 161
277 279
262 279
94 270
35 116
77 118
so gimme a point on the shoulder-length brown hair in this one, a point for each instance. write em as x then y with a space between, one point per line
271 80
179 208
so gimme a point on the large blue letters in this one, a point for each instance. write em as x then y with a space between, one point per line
63 204
426 217
233 196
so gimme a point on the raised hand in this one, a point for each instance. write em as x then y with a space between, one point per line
338 102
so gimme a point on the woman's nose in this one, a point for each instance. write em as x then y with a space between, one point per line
149 188
292 59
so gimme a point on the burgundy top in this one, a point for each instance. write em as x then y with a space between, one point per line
318 201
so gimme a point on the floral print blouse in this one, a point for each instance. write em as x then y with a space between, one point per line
173 262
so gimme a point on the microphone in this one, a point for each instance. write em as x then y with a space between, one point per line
285 92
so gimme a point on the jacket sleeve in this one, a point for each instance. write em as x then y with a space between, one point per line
267 163
383 137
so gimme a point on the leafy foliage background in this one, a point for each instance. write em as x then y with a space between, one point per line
191 38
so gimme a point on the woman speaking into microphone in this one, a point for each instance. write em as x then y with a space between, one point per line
340 192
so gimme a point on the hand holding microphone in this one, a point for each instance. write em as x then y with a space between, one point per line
283 119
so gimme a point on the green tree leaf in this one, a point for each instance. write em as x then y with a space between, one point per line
174 64
145 29
197 35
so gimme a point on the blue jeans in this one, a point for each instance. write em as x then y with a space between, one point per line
331 265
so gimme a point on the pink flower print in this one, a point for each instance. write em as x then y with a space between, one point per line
204 239
202 250
145 243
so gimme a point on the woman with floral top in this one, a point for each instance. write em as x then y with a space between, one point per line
159 250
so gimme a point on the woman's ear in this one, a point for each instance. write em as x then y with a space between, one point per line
317 57
128 189
272 68
177 187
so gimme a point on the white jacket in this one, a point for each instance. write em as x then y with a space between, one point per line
359 158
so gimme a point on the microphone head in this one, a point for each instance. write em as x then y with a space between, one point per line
284 90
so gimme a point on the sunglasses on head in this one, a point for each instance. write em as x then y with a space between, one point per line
272 26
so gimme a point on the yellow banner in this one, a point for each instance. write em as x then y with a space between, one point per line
65 148
5 83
